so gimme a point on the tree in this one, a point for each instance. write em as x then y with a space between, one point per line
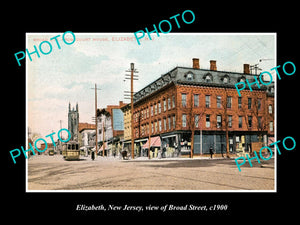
106 114
193 120
225 104
259 112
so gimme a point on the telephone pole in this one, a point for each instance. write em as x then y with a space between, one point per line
132 77
150 131
96 120
254 67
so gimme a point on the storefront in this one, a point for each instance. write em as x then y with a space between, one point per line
138 152
239 142
170 145
105 151
155 147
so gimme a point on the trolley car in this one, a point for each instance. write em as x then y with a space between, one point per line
71 151
51 151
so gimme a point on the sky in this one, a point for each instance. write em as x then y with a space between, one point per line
69 74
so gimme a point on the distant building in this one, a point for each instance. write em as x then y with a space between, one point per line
127 126
80 132
73 122
50 147
111 127
85 133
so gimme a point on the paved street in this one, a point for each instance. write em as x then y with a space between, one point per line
53 173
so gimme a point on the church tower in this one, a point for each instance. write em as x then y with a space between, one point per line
73 122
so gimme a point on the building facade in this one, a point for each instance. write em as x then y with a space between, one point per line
192 108
85 132
127 127
111 128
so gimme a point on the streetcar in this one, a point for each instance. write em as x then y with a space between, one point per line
51 151
71 151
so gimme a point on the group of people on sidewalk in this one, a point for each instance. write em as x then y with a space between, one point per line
211 152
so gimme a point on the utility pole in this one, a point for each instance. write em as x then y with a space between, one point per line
132 77
150 130
103 132
96 120
255 67
192 123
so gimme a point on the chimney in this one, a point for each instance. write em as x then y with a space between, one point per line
196 63
213 65
246 68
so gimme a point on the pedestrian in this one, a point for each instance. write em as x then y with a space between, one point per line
124 154
211 152
164 152
93 155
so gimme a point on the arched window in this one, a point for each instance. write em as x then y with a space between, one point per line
242 79
226 79
189 76
208 79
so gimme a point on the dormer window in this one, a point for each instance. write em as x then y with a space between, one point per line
242 79
189 76
225 79
207 79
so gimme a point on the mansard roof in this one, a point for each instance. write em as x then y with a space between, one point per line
201 77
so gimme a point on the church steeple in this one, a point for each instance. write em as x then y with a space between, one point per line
73 122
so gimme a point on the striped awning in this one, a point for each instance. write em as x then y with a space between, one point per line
106 147
155 142
270 140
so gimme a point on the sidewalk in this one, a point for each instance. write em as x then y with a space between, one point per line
119 158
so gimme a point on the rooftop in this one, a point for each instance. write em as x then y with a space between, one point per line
196 76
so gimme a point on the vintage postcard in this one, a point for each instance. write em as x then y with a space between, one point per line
105 113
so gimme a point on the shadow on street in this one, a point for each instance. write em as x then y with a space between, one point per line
200 163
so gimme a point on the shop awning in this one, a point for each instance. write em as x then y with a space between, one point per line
155 142
141 140
106 147
271 140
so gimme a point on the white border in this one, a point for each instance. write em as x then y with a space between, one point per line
159 191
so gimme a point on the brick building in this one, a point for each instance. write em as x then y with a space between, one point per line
111 128
127 126
189 106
